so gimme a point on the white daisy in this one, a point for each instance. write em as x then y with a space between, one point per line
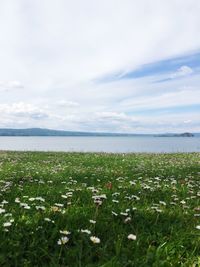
95 239
132 237
63 240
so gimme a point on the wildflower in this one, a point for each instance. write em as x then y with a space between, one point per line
92 221
25 206
116 194
69 194
17 200
109 185
64 196
158 210
132 237
103 196
2 210
59 205
135 197
98 202
65 232
197 209
54 208
86 231
4 202
7 224
95 239
8 215
128 219
31 199
162 203
40 199
47 219
198 227
63 240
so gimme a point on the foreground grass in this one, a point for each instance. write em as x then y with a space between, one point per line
48 199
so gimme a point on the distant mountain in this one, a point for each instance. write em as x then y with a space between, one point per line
48 132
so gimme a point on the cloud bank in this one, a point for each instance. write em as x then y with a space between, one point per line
119 66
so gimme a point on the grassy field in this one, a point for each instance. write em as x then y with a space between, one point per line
78 210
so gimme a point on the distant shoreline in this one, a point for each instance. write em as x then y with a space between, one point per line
48 132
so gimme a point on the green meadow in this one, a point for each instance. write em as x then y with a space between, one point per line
88 210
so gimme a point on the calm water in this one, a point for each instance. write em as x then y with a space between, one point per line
102 144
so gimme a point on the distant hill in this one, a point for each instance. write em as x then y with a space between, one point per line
177 135
186 135
49 132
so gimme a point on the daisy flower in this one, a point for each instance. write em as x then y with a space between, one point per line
132 237
63 240
95 239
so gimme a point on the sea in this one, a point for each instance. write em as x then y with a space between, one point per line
111 144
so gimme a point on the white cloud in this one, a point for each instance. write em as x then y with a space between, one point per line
78 40
10 85
166 100
53 51
65 103
182 71
111 115
188 121
22 110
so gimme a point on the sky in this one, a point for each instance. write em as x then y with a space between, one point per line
130 66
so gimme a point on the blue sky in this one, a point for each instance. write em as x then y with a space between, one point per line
166 66
118 66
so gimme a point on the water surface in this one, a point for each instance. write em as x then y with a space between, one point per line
102 144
